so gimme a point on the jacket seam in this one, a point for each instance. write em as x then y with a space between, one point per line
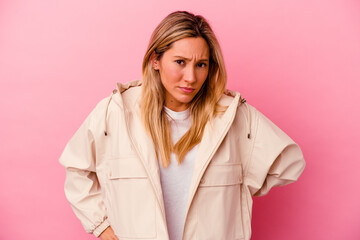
249 160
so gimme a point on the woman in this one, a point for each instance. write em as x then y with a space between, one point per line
176 155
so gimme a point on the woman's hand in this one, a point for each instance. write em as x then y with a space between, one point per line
108 234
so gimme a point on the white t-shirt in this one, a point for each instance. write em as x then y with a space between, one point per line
176 179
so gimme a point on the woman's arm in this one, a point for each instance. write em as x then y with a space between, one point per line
276 160
82 188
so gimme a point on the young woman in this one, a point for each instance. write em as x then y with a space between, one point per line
176 155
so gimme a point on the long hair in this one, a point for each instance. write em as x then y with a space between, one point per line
203 107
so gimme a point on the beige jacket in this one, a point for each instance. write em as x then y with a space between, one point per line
113 177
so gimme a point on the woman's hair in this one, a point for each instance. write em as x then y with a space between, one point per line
203 107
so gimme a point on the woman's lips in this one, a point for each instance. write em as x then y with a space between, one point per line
187 90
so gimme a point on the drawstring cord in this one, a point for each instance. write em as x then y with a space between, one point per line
107 107
243 100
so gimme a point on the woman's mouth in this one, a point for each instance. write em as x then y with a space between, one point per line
187 90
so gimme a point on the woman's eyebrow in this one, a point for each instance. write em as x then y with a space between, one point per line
204 59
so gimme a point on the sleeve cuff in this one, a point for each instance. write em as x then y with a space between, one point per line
99 229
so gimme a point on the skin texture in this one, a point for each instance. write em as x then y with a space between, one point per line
183 69
108 234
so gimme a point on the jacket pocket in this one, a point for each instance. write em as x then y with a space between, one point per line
219 203
131 199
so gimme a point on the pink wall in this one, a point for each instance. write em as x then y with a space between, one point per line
298 62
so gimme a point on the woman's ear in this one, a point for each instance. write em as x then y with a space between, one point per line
154 61
155 64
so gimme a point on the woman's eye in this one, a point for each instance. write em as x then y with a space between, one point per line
180 62
202 65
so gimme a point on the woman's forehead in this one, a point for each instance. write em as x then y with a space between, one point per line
189 48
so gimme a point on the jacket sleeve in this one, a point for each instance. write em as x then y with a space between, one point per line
276 160
82 188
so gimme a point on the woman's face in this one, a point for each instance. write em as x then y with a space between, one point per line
183 70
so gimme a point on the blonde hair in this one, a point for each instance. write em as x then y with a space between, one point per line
203 107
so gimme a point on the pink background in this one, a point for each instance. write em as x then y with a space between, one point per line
298 62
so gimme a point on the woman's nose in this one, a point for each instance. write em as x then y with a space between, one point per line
190 74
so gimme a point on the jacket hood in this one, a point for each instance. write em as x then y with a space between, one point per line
121 87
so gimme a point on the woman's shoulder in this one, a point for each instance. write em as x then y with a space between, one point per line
228 97
124 92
